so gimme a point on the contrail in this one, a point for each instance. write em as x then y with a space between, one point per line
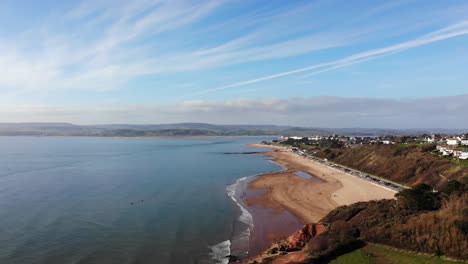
448 32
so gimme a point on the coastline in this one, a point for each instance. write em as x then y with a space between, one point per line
142 137
306 199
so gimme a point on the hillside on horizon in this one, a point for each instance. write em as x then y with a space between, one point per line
194 129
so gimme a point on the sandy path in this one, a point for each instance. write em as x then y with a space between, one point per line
309 199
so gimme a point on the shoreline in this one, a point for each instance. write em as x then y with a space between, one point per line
141 137
308 200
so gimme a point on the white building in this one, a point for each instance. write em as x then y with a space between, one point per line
464 142
440 148
452 141
296 138
286 138
464 155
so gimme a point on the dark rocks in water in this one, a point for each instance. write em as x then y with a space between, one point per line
242 153
233 258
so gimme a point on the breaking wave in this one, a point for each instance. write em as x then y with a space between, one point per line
220 251
239 243
244 224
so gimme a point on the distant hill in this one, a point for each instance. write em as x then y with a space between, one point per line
189 129
129 130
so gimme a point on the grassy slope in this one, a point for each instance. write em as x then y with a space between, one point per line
358 256
385 222
406 164
463 163
381 254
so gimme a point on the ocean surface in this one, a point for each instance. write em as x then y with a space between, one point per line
113 200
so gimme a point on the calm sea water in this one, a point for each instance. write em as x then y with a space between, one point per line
106 200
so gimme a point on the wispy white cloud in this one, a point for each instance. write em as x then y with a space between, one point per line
103 55
101 45
455 30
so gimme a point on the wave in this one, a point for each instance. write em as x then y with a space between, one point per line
220 251
242 230
233 191
240 240
239 243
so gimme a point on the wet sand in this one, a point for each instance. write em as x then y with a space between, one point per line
269 223
309 200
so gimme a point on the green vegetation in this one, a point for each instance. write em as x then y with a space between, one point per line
441 232
408 165
339 236
358 256
373 253
463 163
421 197
452 186
273 251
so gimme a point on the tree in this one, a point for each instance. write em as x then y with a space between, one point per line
420 197
452 186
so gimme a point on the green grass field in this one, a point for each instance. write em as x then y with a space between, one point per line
463 163
357 256
380 254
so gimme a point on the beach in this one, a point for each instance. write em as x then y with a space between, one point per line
308 199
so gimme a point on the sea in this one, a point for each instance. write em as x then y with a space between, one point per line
125 200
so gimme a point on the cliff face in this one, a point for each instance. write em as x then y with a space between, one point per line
406 164
313 243
289 250
299 239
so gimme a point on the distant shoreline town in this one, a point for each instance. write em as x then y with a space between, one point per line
454 145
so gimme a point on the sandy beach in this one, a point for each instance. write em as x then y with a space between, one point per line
284 193
311 199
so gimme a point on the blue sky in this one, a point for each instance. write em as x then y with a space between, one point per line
217 61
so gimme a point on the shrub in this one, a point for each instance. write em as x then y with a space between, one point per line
282 248
273 251
452 186
421 197
340 236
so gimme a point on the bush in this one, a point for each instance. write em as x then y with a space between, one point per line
273 251
463 226
452 186
340 236
429 148
282 248
420 197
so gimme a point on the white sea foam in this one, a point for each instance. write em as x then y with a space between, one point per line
219 252
239 240
233 191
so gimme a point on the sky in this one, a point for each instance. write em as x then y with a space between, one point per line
322 63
